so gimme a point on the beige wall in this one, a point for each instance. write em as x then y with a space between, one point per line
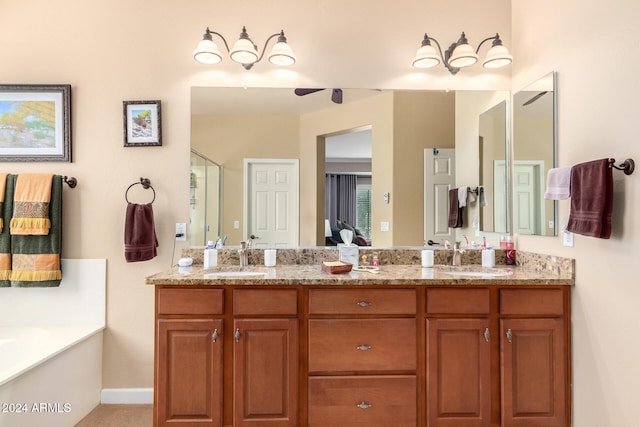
421 120
597 113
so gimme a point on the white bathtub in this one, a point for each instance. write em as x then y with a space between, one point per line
51 348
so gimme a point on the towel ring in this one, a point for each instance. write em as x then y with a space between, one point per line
146 184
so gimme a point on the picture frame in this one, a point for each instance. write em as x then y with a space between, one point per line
142 123
35 123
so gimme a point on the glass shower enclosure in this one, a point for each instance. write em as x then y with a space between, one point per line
205 199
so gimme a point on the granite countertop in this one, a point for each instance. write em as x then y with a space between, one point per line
396 274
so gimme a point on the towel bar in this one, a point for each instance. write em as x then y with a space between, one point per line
70 181
628 166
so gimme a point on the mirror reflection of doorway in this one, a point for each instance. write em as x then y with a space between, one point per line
348 185
205 185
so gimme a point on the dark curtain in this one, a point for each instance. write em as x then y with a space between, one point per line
340 198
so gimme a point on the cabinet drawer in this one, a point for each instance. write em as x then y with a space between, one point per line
190 301
458 301
362 301
362 345
256 302
370 401
531 301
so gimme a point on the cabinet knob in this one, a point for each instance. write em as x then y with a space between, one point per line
363 347
237 335
214 335
363 303
363 405
509 335
487 334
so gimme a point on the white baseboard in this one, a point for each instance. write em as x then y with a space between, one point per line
127 396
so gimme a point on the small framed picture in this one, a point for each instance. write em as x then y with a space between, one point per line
35 123
142 123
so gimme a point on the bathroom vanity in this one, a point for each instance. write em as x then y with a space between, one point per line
407 347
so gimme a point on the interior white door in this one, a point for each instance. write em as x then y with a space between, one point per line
271 201
528 212
439 178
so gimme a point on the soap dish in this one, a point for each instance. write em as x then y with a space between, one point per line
334 267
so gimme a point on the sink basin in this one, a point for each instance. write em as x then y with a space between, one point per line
233 274
473 271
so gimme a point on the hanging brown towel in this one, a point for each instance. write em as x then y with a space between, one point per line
455 211
140 240
6 211
591 199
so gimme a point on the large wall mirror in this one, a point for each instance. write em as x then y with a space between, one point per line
534 153
231 124
493 139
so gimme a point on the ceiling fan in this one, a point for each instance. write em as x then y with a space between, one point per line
336 94
535 98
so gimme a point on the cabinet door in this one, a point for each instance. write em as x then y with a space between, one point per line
533 372
189 373
265 372
458 373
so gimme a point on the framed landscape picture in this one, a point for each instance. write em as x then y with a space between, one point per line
142 123
35 123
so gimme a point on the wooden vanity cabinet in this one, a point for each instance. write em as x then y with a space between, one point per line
253 382
498 357
458 361
189 355
362 358
424 356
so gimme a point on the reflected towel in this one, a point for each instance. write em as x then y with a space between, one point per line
455 211
6 210
35 260
140 240
558 183
31 199
463 196
482 196
591 199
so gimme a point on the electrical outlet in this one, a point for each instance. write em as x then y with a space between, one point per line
384 226
236 224
551 224
567 238
181 231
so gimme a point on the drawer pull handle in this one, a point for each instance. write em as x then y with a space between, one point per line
363 347
509 335
364 303
364 405
237 335
214 335
487 334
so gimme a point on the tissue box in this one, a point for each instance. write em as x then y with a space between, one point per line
349 254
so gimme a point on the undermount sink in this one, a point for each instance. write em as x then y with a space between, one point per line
473 271
232 272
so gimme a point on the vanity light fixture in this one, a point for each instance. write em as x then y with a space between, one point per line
461 54
244 51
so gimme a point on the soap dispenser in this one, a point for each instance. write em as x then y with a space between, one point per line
210 255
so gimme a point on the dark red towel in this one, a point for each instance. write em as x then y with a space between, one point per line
591 199
140 240
455 211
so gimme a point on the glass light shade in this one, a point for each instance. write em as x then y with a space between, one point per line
426 57
244 52
282 55
498 56
207 52
463 56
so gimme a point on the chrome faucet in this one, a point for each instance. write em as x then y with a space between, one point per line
243 252
457 254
